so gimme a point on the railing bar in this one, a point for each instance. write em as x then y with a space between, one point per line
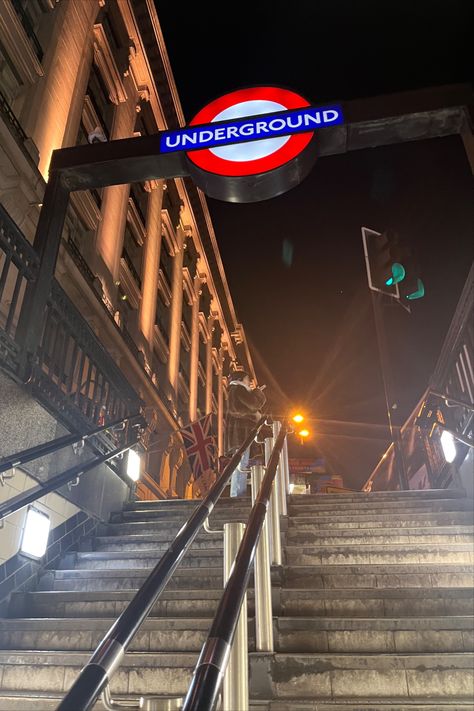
37 492
3 278
108 655
210 667
13 303
41 450
72 344
78 376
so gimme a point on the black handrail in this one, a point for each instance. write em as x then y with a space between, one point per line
107 657
41 450
37 492
211 665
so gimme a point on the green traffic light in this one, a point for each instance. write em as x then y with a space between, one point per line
398 274
419 293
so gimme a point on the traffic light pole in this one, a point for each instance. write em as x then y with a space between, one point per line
388 389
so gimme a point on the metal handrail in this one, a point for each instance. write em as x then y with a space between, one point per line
209 671
37 492
108 656
41 450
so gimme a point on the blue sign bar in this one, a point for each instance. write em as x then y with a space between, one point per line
226 133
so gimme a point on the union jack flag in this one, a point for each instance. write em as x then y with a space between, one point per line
200 445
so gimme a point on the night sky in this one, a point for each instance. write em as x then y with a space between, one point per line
295 263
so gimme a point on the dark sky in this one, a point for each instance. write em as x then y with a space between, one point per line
310 324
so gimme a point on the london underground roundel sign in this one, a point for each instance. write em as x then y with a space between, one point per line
251 144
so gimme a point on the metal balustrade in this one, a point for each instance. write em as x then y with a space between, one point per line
70 372
452 386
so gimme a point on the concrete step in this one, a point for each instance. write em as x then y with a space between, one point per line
350 602
187 506
386 553
375 635
386 506
106 560
361 496
236 513
133 578
100 603
380 576
167 530
287 676
376 536
376 677
48 701
363 521
377 602
291 634
84 634
153 541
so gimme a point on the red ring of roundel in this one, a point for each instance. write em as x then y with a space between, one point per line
213 164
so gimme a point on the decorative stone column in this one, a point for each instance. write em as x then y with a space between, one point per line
210 322
176 315
220 406
52 107
115 198
151 260
194 354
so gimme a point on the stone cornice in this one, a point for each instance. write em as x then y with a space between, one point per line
160 344
17 45
169 233
164 288
135 222
107 66
188 286
129 285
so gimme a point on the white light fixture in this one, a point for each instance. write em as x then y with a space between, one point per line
133 465
449 448
292 486
35 533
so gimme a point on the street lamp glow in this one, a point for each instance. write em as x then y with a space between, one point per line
298 418
303 433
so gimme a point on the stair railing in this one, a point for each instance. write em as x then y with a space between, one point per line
212 663
41 450
97 673
70 475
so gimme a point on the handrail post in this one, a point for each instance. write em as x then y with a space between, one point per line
262 577
282 477
236 677
274 510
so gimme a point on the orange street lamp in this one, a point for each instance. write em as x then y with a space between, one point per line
303 433
298 418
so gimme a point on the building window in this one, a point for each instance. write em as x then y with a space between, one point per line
166 264
30 21
10 80
132 254
98 95
140 200
163 318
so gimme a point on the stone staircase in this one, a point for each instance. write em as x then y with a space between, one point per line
373 607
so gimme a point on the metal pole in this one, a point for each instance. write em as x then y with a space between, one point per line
268 446
262 576
286 470
281 475
236 677
274 508
387 383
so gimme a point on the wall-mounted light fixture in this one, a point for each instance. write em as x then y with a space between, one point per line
34 540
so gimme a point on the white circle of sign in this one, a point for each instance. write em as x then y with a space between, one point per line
253 150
